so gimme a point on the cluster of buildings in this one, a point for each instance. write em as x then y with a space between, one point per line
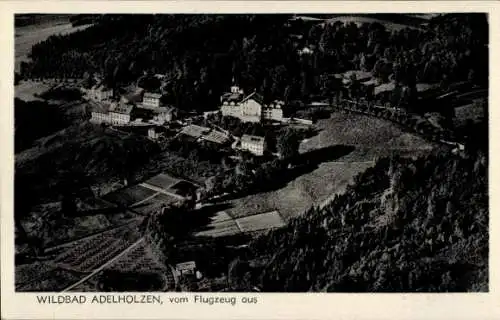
134 106
219 138
253 144
116 113
250 108
208 135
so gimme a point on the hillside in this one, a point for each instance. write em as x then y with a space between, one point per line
80 156
221 47
404 226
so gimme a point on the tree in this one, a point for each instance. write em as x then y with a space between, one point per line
288 144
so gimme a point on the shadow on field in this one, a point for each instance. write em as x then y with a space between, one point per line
182 223
325 154
302 164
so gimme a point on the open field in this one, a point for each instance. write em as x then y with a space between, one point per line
220 229
371 138
261 221
298 195
363 132
27 90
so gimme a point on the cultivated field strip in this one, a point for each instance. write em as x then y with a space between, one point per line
88 254
130 195
88 239
103 266
156 189
163 181
223 225
261 221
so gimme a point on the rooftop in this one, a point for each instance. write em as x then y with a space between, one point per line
231 97
255 96
99 107
216 137
186 265
152 95
360 75
123 108
194 131
252 139
384 87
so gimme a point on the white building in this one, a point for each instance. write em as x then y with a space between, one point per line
254 144
117 114
98 93
247 109
121 113
152 134
273 111
151 100
185 268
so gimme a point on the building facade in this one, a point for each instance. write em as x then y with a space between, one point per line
98 93
253 144
273 111
151 100
117 114
247 109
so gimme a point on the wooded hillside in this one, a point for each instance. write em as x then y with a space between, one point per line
407 226
200 54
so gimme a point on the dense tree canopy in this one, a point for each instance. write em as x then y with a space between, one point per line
200 54
404 226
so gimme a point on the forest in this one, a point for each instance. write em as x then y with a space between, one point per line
201 54
403 226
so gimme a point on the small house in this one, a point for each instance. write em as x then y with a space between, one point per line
121 113
273 111
99 93
254 144
185 268
151 100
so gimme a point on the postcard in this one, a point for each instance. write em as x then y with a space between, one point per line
249 160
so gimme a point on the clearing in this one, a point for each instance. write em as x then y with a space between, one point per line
371 138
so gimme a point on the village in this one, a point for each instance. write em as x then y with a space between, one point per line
274 159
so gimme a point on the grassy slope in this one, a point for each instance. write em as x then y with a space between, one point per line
371 137
416 226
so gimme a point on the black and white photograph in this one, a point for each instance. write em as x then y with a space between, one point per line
255 153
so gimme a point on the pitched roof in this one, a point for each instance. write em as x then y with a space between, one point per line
123 108
230 97
99 107
188 265
384 87
152 95
255 96
360 75
216 137
194 131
